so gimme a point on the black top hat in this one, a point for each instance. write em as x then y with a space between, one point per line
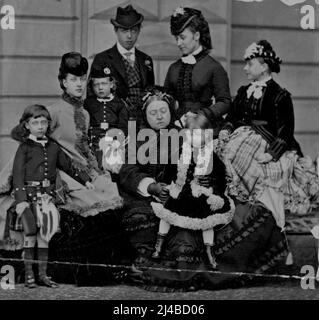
127 18
74 63
101 72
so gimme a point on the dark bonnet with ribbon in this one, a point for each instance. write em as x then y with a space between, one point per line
184 17
263 49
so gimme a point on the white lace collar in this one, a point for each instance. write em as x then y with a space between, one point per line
107 99
190 59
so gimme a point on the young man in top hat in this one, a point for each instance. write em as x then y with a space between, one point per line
132 68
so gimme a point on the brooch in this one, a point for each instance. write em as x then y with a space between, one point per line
148 64
107 71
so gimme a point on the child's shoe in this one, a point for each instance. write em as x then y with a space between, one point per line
47 282
158 247
30 282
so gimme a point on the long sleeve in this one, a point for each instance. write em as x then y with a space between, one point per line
65 163
233 116
130 177
123 117
220 83
285 123
143 187
168 84
18 172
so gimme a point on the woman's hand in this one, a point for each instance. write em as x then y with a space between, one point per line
223 135
89 186
158 190
264 158
21 207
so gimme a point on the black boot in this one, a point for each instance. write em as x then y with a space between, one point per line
44 280
211 256
158 247
28 273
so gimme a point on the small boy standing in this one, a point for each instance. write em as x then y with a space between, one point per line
106 110
34 174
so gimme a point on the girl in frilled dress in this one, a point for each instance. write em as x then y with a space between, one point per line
195 202
263 160
34 175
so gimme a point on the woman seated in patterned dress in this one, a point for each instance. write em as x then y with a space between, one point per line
263 159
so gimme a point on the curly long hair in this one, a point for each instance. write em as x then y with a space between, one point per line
20 132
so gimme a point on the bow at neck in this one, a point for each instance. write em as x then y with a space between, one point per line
41 140
191 59
256 88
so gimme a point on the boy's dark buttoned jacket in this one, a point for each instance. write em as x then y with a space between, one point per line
34 162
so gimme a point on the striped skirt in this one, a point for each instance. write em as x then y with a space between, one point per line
293 176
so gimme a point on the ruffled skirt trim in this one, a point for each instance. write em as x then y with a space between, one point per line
193 223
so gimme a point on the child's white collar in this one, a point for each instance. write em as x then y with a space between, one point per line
107 99
43 140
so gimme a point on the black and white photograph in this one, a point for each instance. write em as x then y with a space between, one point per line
159 151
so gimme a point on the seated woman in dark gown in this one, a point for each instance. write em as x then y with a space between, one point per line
139 182
251 242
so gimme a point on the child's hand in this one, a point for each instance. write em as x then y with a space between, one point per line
264 158
21 207
89 186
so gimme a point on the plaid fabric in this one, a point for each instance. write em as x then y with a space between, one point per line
134 84
294 176
15 222
133 74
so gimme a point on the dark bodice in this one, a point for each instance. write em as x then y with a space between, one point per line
272 116
196 85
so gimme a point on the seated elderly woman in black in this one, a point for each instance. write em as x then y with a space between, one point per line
251 242
142 181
